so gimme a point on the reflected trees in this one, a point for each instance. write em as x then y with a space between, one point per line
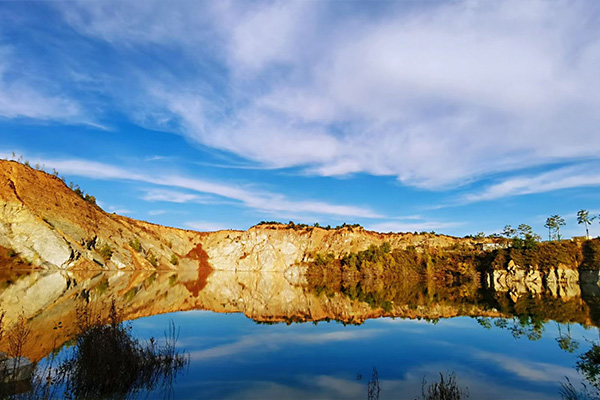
565 341
588 364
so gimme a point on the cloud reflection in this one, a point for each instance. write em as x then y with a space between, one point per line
533 371
274 341
479 386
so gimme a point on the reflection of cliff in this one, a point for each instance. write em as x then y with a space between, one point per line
47 298
518 298
558 282
560 293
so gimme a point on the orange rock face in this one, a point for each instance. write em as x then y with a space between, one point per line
50 226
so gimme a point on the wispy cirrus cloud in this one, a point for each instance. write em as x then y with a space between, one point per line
411 226
437 95
533 371
157 212
22 98
172 196
583 175
258 200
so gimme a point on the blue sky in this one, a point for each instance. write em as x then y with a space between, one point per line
453 116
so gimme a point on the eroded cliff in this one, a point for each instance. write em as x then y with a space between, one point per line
50 226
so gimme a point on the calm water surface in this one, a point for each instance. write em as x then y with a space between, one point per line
232 356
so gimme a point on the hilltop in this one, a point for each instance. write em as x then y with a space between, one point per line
49 225
46 224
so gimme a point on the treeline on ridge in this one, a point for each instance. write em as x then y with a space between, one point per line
297 226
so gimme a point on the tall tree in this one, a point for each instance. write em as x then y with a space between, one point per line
509 232
551 225
560 221
583 217
525 231
528 239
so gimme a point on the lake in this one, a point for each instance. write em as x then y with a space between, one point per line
255 335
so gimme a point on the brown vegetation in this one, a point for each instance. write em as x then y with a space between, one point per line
10 259
547 255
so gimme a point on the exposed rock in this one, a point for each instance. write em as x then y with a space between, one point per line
568 283
52 227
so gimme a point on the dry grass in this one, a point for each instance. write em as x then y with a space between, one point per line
445 389
17 337
108 362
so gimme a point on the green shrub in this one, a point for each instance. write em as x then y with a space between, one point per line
589 365
150 280
90 199
543 254
105 252
152 259
130 294
136 245
174 259
445 389
102 286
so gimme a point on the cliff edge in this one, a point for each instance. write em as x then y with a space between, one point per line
45 224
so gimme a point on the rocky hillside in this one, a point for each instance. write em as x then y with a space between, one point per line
278 247
45 224
50 226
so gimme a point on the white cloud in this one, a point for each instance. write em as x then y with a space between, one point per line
118 210
561 178
259 200
157 212
481 384
269 34
172 196
321 387
205 226
134 23
437 94
414 226
533 371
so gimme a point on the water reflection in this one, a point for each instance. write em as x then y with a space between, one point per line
280 357
47 299
589 365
